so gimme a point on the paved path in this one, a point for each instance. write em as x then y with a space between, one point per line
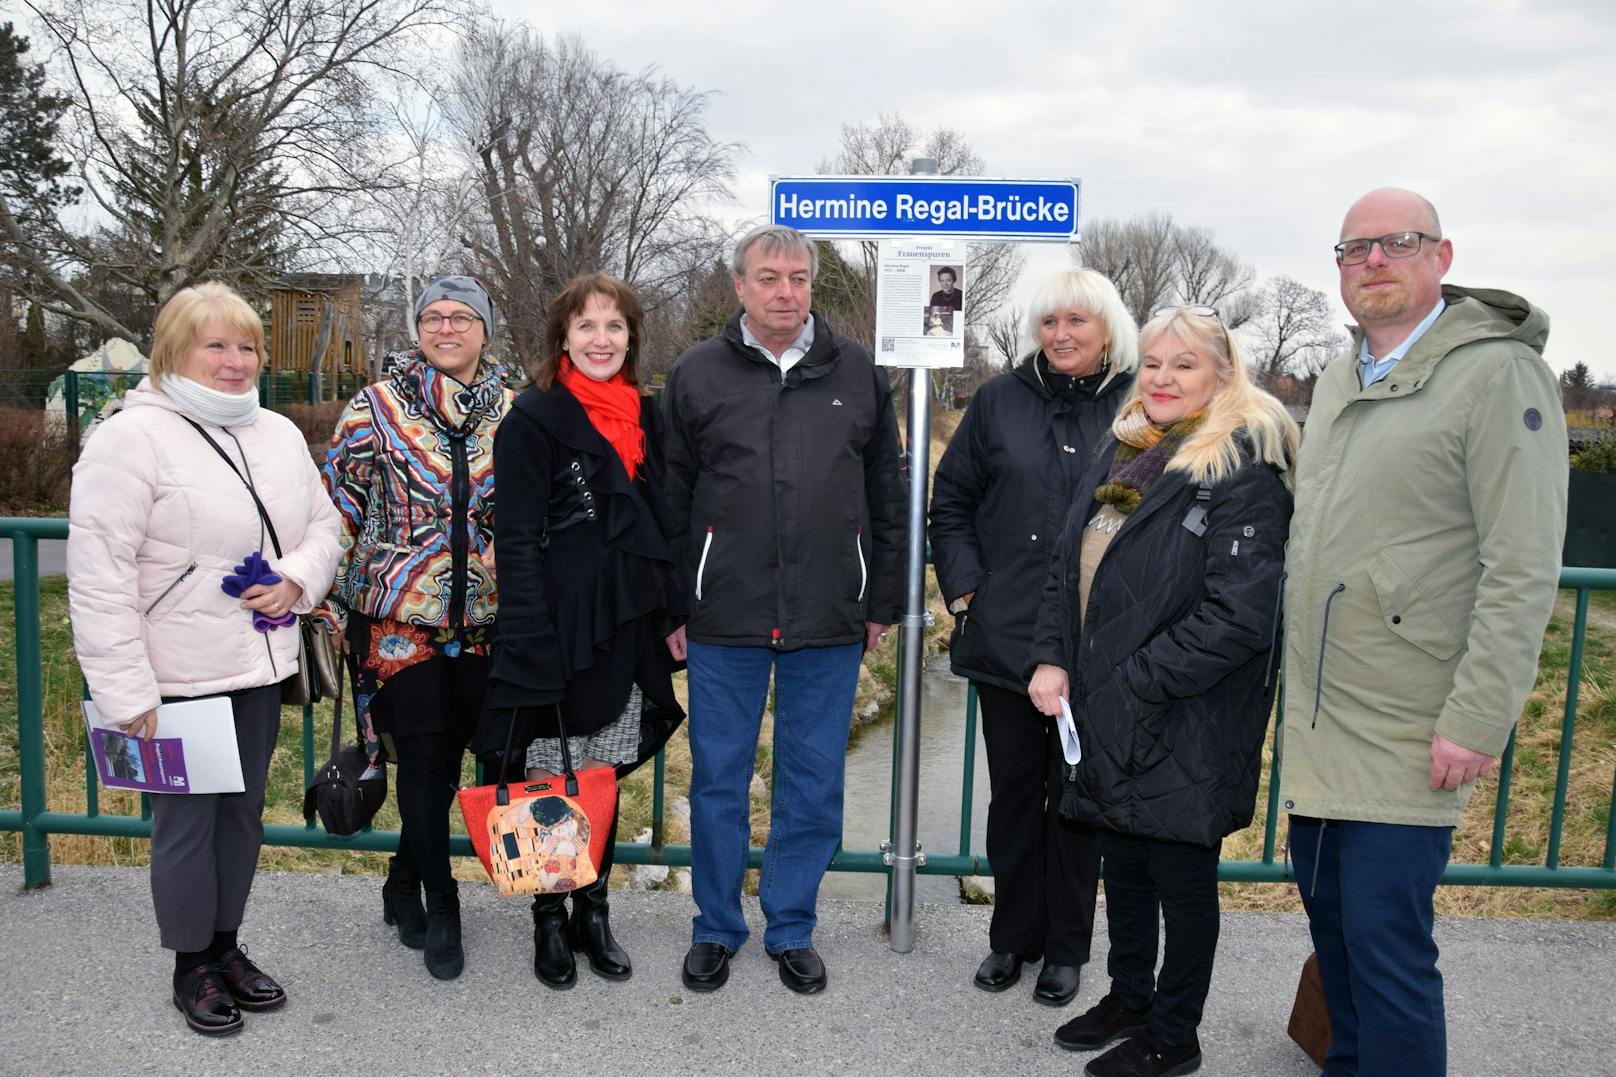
83 988
52 558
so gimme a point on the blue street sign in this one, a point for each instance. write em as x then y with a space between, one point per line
875 207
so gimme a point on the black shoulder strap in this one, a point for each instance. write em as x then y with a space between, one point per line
263 513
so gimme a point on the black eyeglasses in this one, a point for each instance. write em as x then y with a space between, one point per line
1350 252
459 321
1204 312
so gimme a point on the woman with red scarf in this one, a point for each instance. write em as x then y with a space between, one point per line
588 598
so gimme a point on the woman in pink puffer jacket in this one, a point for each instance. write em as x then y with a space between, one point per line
157 519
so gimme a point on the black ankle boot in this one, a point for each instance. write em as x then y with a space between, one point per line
444 957
591 933
401 904
552 956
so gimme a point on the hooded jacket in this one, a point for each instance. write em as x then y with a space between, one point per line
1423 561
788 506
1169 671
411 469
156 522
1002 488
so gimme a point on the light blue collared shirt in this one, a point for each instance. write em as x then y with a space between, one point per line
1371 370
793 355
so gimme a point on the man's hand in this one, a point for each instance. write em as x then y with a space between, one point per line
1047 688
676 644
873 634
1453 765
143 726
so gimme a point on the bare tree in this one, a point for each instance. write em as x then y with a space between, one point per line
1138 255
1291 332
885 147
583 167
1154 262
1006 335
226 126
1207 274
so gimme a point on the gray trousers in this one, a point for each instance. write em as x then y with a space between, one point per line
204 846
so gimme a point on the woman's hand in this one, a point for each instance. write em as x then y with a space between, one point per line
676 644
487 557
143 726
1047 688
271 599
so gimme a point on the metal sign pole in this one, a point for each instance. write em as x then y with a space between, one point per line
904 853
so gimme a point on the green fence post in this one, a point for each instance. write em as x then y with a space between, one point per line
968 778
1271 822
658 790
1495 857
308 756
30 708
1579 634
70 401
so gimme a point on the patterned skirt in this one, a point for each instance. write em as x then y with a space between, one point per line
617 742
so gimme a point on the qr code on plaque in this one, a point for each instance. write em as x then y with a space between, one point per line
889 344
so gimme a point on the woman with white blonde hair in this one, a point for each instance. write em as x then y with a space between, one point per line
172 497
1156 628
1002 488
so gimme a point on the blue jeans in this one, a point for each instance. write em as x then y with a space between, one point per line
813 708
1367 888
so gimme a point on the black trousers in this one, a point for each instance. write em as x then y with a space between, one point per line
204 846
1045 870
1180 880
429 764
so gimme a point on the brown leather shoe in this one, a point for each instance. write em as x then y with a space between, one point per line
201 995
249 985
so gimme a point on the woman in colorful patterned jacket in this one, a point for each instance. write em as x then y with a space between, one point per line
411 469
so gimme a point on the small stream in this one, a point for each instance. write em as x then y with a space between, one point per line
867 805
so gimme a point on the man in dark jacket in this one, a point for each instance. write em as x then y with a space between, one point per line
788 508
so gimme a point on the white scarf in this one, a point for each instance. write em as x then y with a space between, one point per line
210 405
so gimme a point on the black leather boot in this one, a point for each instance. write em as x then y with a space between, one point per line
401 903
552 956
444 957
590 928
592 933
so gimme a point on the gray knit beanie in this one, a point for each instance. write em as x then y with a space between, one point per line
467 290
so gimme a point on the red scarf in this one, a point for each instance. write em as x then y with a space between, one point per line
613 407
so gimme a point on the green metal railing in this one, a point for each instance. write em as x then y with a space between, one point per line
36 824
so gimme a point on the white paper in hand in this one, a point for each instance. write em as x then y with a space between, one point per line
1070 747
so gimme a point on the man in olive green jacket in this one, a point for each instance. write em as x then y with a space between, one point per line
1423 560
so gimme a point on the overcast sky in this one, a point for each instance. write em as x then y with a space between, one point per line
1260 120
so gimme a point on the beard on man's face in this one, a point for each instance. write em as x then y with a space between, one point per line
1379 304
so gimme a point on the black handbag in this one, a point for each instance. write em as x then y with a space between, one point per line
316 678
345 800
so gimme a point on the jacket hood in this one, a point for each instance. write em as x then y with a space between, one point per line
1477 314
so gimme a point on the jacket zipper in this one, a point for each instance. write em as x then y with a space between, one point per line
701 566
459 506
864 572
177 581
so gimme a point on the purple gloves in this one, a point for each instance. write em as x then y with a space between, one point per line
254 570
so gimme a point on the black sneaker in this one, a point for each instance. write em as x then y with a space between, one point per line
1107 1021
1139 1057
